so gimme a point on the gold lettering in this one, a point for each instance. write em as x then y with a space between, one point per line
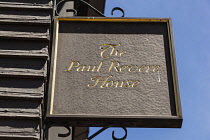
96 78
114 51
72 65
104 82
76 64
123 67
117 83
114 66
94 67
123 84
141 69
99 67
89 68
104 50
129 82
122 53
135 83
131 66
147 68
108 50
109 83
81 68
156 69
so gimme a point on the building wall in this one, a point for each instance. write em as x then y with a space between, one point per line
24 43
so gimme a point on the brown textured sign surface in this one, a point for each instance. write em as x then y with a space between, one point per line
105 71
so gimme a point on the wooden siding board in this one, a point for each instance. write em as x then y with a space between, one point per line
20 108
32 53
10 12
38 54
26 16
21 63
32 94
20 69
19 138
24 35
16 113
29 1
22 128
24 95
21 74
17 5
24 46
22 28
24 38
25 20
23 83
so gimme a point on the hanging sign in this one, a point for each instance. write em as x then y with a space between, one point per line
117 72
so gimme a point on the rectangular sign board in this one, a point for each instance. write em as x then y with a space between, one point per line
114 72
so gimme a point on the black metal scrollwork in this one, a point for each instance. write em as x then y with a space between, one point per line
89 138
113 137
123 138
67 134
56 124
67 10
90 6
120 9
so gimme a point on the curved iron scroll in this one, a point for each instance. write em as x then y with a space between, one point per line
90 6
120 9
67 10
59 135
113 137
67 134
89 138
123 138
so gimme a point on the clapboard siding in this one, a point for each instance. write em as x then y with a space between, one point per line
24 42
22 83
24 35
29 2
27 94
14 128
20 108
23 54
24 46
25 28
28 67
22 63
21 31
22 15
19 5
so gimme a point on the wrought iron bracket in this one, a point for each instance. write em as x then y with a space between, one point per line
67 10
64 124
113 132
120 9
88 5
51 124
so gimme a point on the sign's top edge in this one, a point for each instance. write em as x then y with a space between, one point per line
109 19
